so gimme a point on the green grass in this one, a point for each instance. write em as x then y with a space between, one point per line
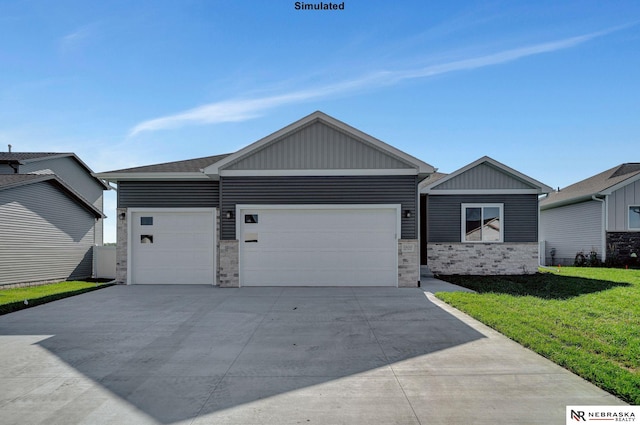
14 299
584 319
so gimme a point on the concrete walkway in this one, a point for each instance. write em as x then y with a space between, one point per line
204 355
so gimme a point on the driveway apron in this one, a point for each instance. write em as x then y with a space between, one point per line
169 354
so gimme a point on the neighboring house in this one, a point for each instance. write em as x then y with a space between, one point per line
317 203
600 214
50 217
481 219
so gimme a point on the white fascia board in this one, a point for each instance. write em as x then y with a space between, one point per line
543 188
421 167
565 202
114 177
332 172
610 190
482 192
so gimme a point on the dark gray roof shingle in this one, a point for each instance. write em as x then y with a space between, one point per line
189 165
593 185
6 157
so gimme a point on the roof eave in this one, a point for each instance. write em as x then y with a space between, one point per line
565 202
115 177
52 178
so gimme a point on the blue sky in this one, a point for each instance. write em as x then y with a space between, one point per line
550 88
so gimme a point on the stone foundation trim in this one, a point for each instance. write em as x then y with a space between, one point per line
483 258
229 269
121 245
408 263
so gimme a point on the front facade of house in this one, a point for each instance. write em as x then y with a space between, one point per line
481 219
599 215
318 203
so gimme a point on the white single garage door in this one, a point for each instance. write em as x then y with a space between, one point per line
319 246
172 246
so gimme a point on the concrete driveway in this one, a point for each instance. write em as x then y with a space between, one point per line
205 355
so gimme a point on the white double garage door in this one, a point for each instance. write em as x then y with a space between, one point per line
279 245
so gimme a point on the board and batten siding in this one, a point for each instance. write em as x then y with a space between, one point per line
168 194
319 190
444 216
44 235
483 176
571 229
318 146
619 202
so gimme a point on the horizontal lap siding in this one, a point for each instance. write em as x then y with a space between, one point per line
168 194
320 190
572 228
44 235
520 216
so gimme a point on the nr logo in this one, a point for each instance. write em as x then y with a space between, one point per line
576 415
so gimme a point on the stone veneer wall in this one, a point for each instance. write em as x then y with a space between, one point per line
620 246
408 264
229 276
121 248
483 258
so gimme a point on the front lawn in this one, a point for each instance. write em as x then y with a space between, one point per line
584 319
19 298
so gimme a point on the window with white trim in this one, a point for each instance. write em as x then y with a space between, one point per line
482 222
634 217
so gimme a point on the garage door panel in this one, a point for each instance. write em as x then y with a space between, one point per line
174 258
346 277
305 259
301 239
171 240
171 275
324 247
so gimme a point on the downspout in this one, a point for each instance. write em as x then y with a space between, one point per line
604 229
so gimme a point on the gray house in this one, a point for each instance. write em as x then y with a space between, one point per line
50 217
599 214
317 203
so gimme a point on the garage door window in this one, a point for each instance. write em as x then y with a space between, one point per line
146 221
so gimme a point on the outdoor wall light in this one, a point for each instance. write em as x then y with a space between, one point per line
122 216
407 213
229 215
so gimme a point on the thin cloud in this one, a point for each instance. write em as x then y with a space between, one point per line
235 110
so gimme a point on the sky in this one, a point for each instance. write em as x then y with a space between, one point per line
549 88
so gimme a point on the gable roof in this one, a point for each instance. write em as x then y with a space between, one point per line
386 155
190 168
601 184
10 181
22 158
498 178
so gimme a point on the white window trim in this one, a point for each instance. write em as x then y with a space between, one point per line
629 217
463 221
